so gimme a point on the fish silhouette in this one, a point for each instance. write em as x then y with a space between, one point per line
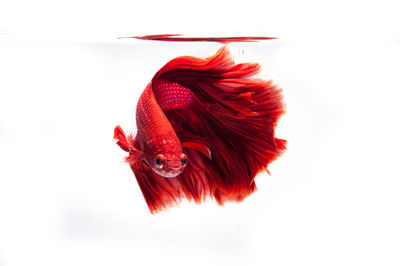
205 129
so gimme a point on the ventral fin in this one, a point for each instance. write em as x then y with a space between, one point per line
134 156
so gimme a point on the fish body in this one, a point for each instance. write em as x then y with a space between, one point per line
205 128
158 141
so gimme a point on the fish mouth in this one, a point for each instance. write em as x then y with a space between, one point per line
170 173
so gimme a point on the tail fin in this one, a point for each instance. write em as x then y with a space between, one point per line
233 115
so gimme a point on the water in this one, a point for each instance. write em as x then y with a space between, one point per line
66 198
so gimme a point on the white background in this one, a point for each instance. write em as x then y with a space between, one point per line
66 81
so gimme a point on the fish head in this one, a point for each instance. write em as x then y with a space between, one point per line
167 160
169 165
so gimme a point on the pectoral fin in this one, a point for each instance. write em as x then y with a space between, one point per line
198 147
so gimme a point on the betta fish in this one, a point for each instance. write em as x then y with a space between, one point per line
205 129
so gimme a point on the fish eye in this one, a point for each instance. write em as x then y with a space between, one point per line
159 161
184 160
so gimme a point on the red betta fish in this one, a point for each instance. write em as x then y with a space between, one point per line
205 128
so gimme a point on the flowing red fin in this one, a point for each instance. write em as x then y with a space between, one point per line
159 193
199 147
234 116
119 135
134 156
128 144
